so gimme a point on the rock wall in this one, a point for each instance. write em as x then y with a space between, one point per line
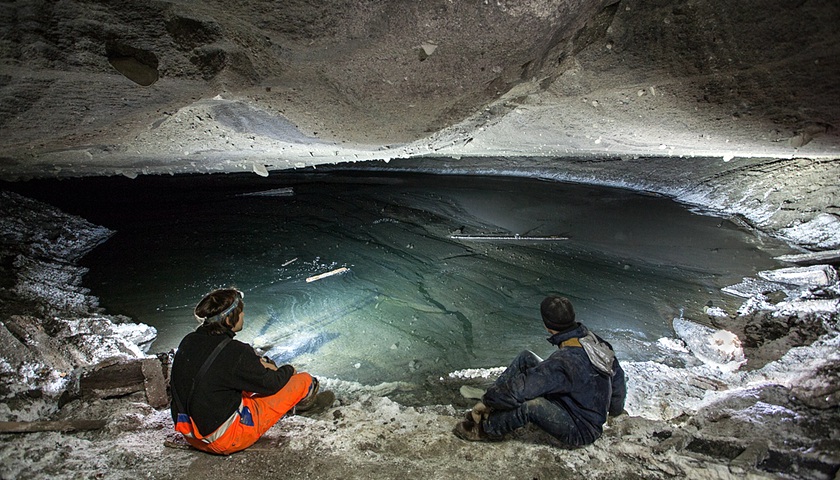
51 328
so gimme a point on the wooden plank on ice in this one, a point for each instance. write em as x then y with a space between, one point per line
496 236
327 274
813 258
51 426
114 379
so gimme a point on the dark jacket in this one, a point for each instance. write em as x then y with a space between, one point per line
219 392
569 379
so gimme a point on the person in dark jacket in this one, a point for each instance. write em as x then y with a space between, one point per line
569 395
240 395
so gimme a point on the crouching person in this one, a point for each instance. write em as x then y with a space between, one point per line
569 395
224 396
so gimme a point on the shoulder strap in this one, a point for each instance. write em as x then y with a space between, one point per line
201 372
210 359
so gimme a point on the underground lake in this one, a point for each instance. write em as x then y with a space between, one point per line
430 273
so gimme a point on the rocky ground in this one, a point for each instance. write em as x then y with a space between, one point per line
759 402
726 106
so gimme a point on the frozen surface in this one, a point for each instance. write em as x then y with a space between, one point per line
415 303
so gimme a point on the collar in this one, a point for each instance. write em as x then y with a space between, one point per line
213 329
578 332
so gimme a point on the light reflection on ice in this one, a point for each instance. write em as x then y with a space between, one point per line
415 303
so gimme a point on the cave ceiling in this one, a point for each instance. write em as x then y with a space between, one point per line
103 88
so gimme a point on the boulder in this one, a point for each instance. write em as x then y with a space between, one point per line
811 276
717 348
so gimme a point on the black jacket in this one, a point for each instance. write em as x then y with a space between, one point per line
237 368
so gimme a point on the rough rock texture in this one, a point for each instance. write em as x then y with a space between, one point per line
731 106
692 415
50 327
352 67
97 87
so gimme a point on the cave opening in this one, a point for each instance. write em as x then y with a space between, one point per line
425 292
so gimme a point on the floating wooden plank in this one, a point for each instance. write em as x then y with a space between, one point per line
289 262
328 274
51 426
813 258
276 192
496 236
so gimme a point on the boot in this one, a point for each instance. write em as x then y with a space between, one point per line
323 402
471 432
309 400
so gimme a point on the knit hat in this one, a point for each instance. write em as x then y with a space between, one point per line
558 314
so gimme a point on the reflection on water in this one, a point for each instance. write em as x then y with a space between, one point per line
415 303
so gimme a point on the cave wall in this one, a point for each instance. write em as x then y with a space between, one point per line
99 88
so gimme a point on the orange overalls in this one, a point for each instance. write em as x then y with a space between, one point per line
256 414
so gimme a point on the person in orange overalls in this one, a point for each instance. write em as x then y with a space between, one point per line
225 405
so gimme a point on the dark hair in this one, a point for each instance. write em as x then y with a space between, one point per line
211 310
557 313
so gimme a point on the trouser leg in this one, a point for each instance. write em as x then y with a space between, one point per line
272 408
547 415
258 414
525 360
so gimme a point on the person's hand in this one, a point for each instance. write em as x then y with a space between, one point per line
268 363
480 412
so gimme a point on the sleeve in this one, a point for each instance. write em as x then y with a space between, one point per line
252 376
619 390
548 377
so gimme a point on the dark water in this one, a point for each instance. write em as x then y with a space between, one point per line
415 303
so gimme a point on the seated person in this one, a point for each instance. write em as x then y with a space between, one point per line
226 405
568 395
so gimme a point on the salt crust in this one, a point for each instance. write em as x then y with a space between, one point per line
364 426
